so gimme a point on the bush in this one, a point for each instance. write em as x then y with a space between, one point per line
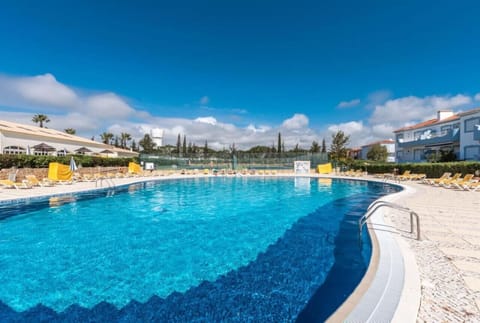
430 169
30 161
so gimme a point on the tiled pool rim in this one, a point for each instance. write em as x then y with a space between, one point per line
358 305
391 262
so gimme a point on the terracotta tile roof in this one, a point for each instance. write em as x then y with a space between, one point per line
427 123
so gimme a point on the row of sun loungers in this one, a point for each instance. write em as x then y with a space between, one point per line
353 173
31 181
467 183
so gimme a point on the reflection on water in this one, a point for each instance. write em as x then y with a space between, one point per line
325 181
302 184
60 200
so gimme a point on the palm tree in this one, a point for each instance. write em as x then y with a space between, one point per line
70 131
106 137
40 118
124 138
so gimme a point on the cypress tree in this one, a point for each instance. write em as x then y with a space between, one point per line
279 145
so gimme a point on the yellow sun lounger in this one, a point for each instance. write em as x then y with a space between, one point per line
459 182
17 185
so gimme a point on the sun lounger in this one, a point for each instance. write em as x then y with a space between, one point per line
432 181
472 187
448 180
467 179
405 176
33 181
17 185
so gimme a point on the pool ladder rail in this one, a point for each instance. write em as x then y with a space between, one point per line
380 203
109 182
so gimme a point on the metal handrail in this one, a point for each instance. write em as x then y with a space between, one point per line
378 204
109 182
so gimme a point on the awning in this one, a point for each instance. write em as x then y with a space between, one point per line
106 151
44 147
83 150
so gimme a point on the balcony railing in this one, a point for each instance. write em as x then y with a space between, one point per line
446 137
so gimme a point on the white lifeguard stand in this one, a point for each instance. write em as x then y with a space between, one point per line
157 136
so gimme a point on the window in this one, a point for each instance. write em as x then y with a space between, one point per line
14 150
472 153
470 124
417 134
40 153
400 137
418 155
446 128
456 126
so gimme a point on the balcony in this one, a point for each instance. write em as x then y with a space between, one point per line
427 139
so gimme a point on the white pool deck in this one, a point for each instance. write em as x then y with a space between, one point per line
441 277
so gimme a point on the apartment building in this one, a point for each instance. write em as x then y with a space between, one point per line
459 133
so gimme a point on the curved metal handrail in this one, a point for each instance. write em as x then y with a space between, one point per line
380 203
109 182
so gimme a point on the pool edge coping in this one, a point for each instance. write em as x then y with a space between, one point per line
406 310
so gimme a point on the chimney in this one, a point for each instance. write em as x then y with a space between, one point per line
443 114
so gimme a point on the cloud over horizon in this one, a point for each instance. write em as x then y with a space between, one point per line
92 113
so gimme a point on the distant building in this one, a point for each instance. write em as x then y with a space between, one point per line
157 136
354 153
459 133
21 139
389 144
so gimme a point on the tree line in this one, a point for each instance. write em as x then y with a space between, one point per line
338 150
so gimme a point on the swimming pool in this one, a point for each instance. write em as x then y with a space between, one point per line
208 249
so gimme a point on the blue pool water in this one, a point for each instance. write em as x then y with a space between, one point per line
207 249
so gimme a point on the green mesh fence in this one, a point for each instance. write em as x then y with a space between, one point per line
231 161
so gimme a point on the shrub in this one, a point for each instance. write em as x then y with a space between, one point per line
430 169
30 161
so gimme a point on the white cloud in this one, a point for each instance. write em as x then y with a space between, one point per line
477 97
261 129
208 120
349 104
412 108
298 121
36 91
348 128
108 105
204 100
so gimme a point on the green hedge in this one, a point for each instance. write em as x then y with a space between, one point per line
431 169
30 161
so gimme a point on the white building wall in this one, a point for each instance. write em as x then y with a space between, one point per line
469 148
30 141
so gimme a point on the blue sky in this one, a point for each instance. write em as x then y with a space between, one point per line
238 70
